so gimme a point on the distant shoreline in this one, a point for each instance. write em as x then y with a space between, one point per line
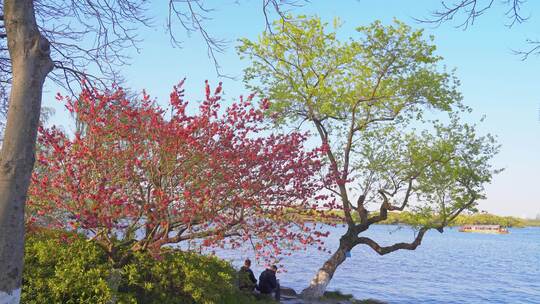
407 218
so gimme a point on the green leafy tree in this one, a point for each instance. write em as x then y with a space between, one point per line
388 117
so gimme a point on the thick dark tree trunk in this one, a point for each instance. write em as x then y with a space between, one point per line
29 53
318 284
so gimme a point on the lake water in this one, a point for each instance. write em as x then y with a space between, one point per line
452 267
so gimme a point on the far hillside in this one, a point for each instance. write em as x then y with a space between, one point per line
407 218
467 219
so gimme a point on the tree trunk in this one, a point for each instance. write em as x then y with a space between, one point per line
318 284
31 62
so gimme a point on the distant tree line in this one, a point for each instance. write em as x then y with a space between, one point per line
412 219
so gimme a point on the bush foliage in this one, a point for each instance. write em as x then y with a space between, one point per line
66 268
62 268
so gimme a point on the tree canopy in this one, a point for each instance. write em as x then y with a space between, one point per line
139 179
389 117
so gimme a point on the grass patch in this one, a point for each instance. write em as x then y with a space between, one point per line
368 301
532 223
337 295
332 296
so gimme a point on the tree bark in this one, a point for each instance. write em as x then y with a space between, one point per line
30 57
320 281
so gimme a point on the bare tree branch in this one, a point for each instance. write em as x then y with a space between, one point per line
382 250
93 35
472 9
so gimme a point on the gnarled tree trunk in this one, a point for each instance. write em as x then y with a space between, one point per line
31 62
320 281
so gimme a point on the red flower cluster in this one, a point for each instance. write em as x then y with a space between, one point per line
147 176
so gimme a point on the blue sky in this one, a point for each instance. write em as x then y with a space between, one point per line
494 82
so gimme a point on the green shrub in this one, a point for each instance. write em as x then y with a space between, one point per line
180 277
59 270
68 268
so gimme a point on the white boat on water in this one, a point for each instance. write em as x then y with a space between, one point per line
494 229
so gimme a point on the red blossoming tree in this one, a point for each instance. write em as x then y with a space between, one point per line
141 177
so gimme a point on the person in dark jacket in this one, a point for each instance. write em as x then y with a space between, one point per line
268 283
246 278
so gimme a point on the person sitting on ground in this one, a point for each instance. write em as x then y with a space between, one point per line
268 283
246 278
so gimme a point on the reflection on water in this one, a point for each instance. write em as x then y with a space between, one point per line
452 267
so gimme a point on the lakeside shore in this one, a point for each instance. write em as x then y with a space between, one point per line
289 296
